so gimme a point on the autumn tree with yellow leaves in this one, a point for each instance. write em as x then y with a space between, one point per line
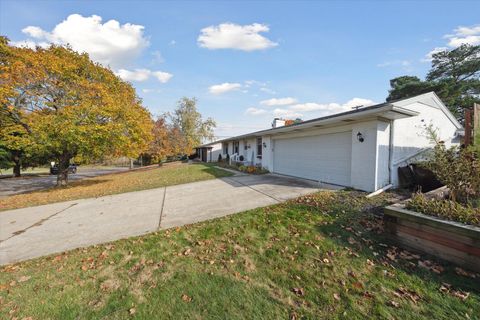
67 106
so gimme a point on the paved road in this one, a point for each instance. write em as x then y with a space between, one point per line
11 186
37 231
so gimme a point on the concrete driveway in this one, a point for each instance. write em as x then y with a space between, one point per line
32 232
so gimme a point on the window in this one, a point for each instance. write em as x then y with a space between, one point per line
245 145
259 147
225 148
236 145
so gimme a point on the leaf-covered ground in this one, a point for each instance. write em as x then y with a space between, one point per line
116 183
320 257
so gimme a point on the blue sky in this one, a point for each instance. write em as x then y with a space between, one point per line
247 62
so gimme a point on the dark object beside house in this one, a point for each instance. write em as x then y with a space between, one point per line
71 169
415 177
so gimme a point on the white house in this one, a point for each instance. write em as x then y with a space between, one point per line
362 148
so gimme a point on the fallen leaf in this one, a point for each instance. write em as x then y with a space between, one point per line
336 296
132 311
460 294
393 304
299 291
186 298
447 289
357 285
405 293
391 256
24 278
465 273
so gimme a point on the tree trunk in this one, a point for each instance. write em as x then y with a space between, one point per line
17 164
62 177
16 170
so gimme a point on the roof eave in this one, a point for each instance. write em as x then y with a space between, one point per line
388 111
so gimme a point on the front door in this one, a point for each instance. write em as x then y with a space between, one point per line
204 155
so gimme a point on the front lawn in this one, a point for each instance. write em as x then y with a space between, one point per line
321 256
116 183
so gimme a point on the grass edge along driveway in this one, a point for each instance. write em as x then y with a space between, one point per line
321 256
116 183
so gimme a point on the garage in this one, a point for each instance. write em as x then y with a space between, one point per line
325 158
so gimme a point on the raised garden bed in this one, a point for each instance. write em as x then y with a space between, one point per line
452 241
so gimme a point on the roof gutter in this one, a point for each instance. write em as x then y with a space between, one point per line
350 115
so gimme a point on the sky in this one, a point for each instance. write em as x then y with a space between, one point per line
251 61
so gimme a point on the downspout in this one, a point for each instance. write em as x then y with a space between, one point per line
390 164
390 152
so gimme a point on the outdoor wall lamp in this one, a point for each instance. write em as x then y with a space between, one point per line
264 145
360 137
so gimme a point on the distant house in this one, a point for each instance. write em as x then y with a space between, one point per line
362 148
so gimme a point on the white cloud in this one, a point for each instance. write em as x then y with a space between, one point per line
404 64
157 57
35 32
136 75
161 76
323 109
234 36
148 90
140 75
224 87
314 109
255 111
29 44
464 35
109 43
429 56
278 102
267 90
286 113
357 102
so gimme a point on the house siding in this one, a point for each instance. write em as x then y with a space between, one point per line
364 156
382 171
410 135
371 160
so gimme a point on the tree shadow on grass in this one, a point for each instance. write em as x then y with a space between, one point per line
361 230
215 172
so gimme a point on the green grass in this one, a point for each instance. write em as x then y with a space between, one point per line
318 257
116 183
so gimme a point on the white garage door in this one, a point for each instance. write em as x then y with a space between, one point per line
325 158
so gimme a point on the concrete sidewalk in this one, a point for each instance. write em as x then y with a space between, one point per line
32 232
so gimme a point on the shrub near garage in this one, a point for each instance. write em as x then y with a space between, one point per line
253 169
459 170
447 209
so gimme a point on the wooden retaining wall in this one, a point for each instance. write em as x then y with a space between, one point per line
452 241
